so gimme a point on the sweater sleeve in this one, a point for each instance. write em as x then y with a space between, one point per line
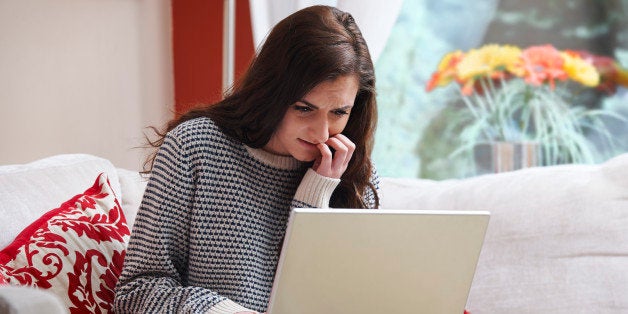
152 280
316 190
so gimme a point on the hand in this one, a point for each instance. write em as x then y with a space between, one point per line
334 165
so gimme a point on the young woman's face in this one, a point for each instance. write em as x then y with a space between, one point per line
321 114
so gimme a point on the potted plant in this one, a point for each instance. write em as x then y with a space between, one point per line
522 103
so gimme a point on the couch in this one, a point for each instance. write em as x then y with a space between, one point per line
557 241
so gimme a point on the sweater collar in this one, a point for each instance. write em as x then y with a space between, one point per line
277 161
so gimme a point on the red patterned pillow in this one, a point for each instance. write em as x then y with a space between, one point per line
76 251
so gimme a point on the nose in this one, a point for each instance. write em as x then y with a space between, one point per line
319 130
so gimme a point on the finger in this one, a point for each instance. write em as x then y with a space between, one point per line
324 167
349 144
338 160
317 163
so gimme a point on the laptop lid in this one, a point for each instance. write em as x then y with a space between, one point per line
377 261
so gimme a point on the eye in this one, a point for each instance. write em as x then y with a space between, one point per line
302 108
340 112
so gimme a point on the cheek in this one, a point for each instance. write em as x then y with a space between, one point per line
286 121
290 126
337 127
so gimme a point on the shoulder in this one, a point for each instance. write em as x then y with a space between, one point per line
194 127
199 130
202 138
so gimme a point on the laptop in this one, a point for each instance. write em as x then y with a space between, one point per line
377 261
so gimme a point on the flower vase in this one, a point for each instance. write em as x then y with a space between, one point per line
494 157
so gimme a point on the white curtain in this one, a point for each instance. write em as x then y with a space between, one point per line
374 17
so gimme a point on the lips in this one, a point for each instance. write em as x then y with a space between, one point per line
307 144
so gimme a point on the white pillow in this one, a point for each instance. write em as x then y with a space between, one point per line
29 190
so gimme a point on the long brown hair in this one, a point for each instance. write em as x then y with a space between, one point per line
313 45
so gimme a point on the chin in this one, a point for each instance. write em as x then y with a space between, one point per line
305 157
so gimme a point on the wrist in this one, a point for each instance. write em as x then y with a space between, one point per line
315 189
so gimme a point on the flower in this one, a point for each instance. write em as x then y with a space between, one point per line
543 64
446 70
537 65
610 72
489 61
514 94
580 70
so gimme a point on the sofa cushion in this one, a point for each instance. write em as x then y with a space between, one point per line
76 250
21 300
132 185
29 190
557 241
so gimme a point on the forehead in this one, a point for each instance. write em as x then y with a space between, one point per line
339 91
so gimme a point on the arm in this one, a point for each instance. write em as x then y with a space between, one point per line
321 180
155 267
314 191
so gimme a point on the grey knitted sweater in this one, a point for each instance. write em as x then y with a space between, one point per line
209 230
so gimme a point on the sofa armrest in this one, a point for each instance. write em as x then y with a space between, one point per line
22 300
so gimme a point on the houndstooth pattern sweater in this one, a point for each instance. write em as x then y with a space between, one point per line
210 227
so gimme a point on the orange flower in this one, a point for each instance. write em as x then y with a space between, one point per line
543 64
446 70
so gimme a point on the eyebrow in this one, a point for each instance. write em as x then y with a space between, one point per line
313 106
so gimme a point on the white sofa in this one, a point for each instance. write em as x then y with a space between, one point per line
557 241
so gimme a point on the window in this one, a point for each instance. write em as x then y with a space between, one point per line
412 139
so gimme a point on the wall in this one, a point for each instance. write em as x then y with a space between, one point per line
83 76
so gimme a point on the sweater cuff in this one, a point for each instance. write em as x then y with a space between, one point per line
316 189
227 306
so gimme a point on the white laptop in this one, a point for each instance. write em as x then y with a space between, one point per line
377 261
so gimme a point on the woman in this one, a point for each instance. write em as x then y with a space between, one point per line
296 131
